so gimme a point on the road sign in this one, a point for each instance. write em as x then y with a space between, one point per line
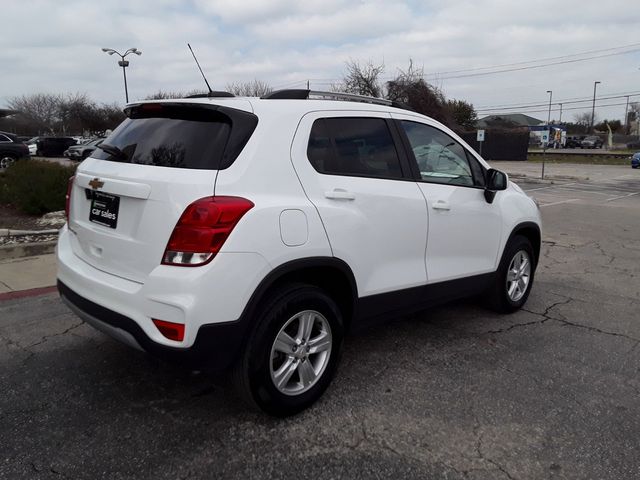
480 136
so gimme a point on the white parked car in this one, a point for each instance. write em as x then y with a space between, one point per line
33 146
252 234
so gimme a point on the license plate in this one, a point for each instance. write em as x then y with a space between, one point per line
104 209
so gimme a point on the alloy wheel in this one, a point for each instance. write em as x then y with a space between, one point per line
518 275
301 352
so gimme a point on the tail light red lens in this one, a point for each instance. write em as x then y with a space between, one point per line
171 330
67 197
202 230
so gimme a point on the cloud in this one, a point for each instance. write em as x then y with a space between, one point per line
55 46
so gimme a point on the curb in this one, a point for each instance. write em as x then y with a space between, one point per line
19 250
7 232
32 292
547 178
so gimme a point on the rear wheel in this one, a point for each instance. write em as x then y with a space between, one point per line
293 352
6 160
514 277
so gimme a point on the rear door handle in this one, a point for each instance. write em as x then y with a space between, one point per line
441 205
339 194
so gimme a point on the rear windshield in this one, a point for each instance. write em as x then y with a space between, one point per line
179 136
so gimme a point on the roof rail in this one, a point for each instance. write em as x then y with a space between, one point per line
211 94
303 94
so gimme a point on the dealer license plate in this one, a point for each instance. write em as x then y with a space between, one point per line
104 209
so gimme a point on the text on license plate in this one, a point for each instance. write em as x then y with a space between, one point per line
104 209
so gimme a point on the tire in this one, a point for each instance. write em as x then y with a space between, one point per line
6 160
508 294
278 350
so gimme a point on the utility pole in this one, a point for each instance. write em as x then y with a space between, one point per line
560 119
626 117
593 106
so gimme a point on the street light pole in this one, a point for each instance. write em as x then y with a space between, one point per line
544 146
593 106
124 64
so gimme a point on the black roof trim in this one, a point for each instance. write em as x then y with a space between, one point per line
211 94
290 94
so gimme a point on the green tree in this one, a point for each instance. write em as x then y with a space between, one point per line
462 113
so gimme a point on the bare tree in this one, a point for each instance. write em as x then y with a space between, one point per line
409 87
39 109
255 88
361 79
584 120
167 95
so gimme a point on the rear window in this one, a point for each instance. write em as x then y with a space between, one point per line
180 136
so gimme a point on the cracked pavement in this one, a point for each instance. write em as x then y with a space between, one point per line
550 392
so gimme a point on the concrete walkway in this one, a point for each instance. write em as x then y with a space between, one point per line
27 273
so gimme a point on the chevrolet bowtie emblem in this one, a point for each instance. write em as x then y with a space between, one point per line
96 183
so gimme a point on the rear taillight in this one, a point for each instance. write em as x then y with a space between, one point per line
67 198
202 230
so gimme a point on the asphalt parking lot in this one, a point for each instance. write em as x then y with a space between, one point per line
552 391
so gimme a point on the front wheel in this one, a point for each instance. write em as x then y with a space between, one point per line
293 352
514 277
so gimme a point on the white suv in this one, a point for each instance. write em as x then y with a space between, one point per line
251 234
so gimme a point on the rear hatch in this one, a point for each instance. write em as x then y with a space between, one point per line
128 196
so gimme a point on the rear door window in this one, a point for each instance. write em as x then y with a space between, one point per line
179 136
353 146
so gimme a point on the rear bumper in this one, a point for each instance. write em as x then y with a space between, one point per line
216 346
208 300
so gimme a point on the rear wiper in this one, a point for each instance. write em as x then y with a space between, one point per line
113 151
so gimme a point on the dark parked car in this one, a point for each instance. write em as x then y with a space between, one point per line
574 141
592 141
53 146
635 160
11 149
80 152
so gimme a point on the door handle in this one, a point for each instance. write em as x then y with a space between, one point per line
441 205
339 194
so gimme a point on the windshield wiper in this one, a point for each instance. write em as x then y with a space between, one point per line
113 151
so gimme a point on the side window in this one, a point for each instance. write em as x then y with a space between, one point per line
353 146
440 158
4 139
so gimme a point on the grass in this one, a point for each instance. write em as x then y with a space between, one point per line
580 159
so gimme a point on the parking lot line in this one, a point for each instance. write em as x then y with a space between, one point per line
550 186
621 196
558 203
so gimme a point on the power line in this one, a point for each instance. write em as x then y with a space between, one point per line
632 45
497 69
564 62
558 109
564 102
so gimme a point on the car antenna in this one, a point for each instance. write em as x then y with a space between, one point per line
197 63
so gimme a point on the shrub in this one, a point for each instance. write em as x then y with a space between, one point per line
35 187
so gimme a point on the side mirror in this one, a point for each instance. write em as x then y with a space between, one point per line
496 181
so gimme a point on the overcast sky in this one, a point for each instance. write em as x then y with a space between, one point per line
54 46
